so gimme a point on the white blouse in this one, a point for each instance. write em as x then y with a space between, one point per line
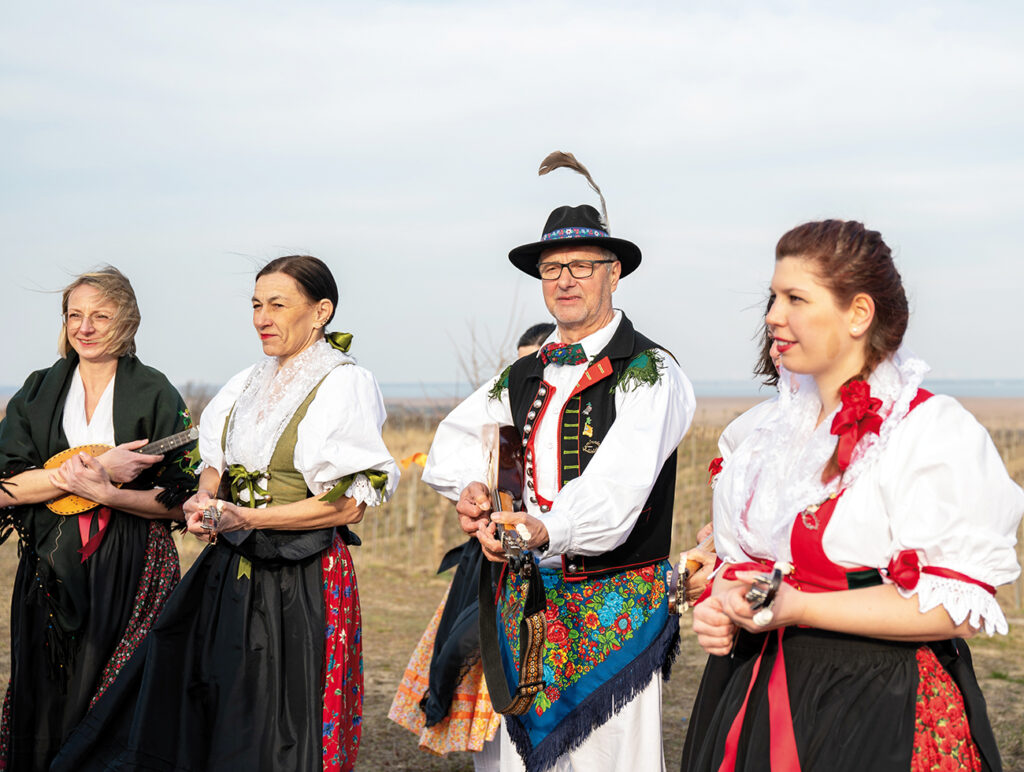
339 435
932 482
80 431
595 512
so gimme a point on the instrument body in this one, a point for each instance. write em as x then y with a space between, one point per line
70 504
505 481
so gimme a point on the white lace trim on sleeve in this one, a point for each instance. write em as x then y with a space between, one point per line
961 600
361 491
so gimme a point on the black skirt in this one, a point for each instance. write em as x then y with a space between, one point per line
45 700
229 678
852 701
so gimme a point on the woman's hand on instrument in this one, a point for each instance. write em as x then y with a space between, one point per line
787 608
84 476
123 464
715 630
473 507
538 531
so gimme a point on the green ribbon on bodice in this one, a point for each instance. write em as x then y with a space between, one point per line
243 478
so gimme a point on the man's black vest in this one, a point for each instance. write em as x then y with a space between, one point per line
585 420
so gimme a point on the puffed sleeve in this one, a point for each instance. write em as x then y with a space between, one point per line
596 512
457 455
952 503
339 440
211 423
742 426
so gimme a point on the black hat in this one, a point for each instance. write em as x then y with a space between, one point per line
574 226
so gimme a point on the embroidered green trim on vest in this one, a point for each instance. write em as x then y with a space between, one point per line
500 385
646 367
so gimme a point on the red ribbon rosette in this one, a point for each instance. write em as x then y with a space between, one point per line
905 569
714 468
859 416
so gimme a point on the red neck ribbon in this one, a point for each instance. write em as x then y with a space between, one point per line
859 416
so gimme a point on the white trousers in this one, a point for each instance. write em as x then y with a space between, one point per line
488 758
629 740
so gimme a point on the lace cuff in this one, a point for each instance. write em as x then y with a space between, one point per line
961 600
369 487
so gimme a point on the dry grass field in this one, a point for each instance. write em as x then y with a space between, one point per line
404 540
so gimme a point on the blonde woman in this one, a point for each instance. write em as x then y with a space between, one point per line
88 585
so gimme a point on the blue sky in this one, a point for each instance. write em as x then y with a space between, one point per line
188 142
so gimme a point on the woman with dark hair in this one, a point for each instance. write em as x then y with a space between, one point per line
89 582
256 661
864 525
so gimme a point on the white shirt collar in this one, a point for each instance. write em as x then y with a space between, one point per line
596 341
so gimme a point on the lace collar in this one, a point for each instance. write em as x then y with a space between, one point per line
270 398
776 472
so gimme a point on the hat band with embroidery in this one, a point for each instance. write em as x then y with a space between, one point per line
574 233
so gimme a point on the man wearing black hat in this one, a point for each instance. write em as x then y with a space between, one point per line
600 410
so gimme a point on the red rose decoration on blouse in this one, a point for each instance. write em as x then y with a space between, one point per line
905 569
858 416
714 468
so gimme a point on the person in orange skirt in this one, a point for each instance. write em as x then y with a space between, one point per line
443 696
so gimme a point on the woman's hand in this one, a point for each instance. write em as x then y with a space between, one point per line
232 517
84 476
123 464
787 608
715 630
200 501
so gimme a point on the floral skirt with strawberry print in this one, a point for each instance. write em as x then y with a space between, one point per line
856 704
343 661
606 638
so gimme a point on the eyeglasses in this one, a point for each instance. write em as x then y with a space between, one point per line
99 320
578 269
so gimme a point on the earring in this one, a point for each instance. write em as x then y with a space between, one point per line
853 330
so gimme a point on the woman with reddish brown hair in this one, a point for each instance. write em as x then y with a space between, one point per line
863 525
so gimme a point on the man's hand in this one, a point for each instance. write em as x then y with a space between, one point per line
123 464
473 507
486 535
537 529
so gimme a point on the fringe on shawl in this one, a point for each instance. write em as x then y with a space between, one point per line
599 706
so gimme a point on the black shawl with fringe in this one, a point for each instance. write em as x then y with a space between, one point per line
146 405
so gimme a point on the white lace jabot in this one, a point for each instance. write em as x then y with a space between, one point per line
270 398
777 471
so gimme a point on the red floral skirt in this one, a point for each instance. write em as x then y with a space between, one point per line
343 661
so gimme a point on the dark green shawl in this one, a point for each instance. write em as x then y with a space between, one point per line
145 406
